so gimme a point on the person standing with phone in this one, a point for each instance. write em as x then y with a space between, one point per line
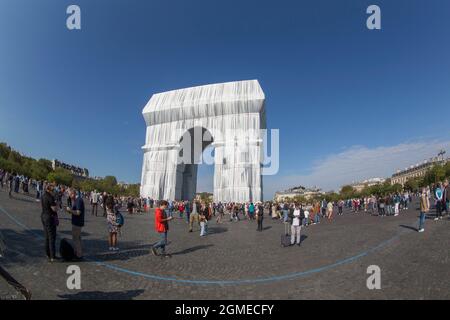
77 212
49 218
424 209
162 228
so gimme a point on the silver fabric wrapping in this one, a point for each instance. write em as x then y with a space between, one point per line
233 113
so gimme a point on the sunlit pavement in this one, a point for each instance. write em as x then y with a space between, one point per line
234 261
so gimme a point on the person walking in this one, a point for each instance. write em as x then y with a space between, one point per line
16 183
162 228
424 209
316 209
396 205
220 213
323 207
49 219
9 183
170 208
340 207
235 208
381 204
130 205
445 196
187 209
77 212
330 210
194 215
2 175
39 190
438 198
203 215
104 200
251 211
274 211
285 212
181 209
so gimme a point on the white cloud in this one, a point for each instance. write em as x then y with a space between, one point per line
357 163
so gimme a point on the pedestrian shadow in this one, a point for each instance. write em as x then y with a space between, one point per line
69 233
303 238
14 197
408 227
216 230
267 228
192 249
27 247
119 255
21 247
101 295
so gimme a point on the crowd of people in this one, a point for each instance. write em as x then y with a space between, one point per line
198 213
15 182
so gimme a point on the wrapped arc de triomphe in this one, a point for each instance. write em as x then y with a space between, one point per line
182 123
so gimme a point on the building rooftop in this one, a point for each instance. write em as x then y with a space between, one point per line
418 166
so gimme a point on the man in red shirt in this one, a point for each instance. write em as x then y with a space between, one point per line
162 227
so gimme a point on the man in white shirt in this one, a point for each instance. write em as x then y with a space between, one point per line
296 225
94 202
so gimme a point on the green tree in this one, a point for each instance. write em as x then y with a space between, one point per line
4 150
412 185
109 184
14 156
61 176
26 167
133 190
376 190
347 189
299 199
39 171
447 169
9 165
435 174
396 188
76 184
44 163
332 196
347 192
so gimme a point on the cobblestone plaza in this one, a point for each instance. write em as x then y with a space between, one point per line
233 261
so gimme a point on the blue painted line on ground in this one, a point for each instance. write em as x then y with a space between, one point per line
20 223
224 282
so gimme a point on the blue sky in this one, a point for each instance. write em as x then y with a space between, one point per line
350 103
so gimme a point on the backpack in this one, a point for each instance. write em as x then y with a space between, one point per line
302 214
66 250
120 220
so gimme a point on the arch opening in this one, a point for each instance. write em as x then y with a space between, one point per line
193 143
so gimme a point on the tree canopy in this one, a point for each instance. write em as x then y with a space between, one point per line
41 169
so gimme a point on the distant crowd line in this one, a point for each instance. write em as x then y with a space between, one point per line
294 215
